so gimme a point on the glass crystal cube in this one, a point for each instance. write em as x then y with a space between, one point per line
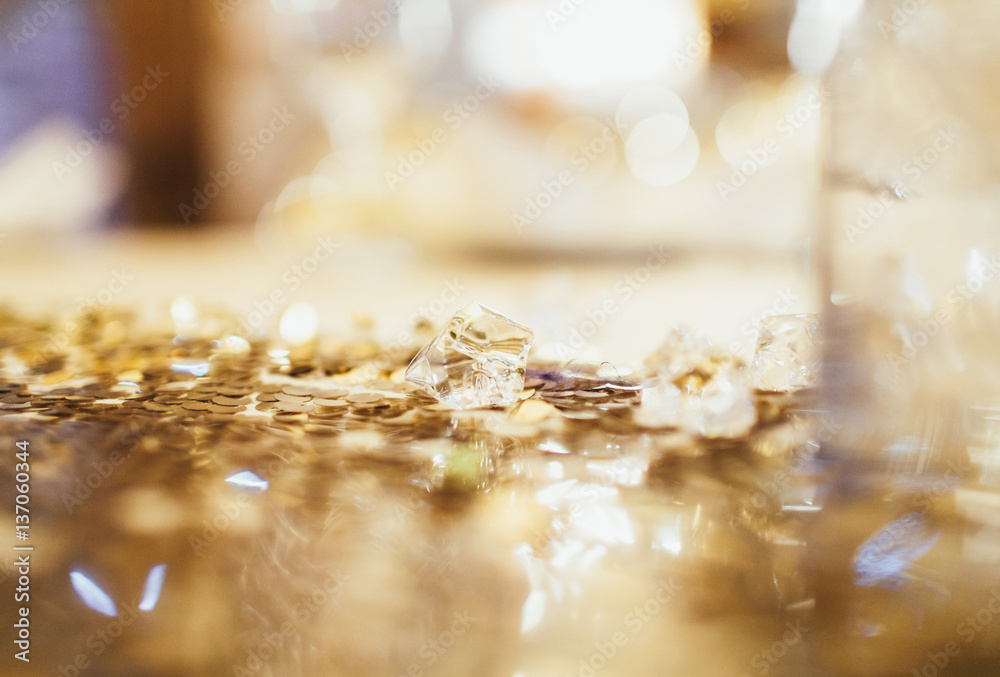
693 386
679 353
787 354
477 361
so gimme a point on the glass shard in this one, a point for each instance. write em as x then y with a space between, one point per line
477 361
787 353
694 386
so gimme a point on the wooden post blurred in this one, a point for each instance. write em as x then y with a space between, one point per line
163 130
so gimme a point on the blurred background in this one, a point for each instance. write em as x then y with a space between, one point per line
600 171
631 163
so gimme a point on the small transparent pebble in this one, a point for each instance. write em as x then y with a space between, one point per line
477 361
682 350
693 386
788 353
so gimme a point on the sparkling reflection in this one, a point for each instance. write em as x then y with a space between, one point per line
193 367
151 590
248 479
92 595
886 557
668 538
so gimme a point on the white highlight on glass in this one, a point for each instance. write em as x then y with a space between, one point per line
235 345
626 470
193 367
552 447
92 595
606 524
978 267
668 538
154 584
248 479
533 610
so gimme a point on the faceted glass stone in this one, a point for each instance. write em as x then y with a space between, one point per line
478 360
697 388
787 354
679 353
726 402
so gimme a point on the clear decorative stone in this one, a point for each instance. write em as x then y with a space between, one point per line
693 386
726 400
661 404
787 354
683 349
478 360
